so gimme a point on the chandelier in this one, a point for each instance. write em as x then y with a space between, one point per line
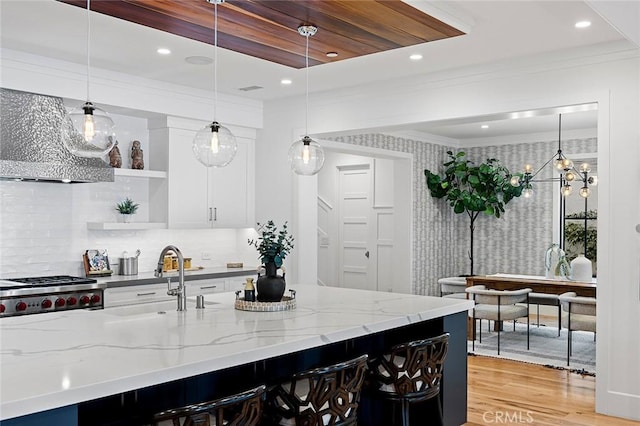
568 173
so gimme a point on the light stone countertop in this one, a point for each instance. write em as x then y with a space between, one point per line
61 358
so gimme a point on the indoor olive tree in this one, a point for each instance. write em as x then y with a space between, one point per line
472 189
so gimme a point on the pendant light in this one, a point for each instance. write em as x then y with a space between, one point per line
566 169
92 132
306 155
214 145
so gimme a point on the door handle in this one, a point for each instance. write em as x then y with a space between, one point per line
366 254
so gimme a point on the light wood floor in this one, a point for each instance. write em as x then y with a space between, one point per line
503 392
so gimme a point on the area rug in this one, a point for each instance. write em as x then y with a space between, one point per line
546 348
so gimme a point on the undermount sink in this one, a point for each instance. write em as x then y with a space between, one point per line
152 308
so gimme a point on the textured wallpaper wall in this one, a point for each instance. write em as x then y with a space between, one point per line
514 243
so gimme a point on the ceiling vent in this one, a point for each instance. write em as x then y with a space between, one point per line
250 88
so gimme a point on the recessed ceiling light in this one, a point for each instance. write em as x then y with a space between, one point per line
484 126
332 54
286 81
415 57
199 60
583 24
163 51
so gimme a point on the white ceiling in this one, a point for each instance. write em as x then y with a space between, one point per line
497 30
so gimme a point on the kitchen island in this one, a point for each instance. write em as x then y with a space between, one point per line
62 368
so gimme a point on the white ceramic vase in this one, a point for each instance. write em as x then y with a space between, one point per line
581 269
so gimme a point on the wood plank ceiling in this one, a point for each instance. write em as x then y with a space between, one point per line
267 29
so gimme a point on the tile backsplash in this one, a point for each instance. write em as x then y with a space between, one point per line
43 230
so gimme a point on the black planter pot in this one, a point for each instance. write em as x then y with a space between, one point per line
270 286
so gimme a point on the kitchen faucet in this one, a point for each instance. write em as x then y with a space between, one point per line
181 290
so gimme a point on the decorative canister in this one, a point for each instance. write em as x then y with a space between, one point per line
174 262
166 263
187 263
581 269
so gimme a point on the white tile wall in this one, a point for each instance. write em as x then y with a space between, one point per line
43 229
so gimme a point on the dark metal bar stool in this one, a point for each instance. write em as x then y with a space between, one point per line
411 372
242 409
318 397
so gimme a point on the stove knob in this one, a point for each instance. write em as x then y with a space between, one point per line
84 300
2 308
71 301
21 306
95 298
60 302
46 304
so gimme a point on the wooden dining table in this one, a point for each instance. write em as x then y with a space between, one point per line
538 284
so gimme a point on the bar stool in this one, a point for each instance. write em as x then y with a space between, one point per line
242 409
318 397
411 372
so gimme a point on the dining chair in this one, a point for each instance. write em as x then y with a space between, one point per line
409 373
498 305
453 287
546 299
321 396
242 409
581 315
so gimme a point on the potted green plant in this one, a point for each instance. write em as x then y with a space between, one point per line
472 189
127 208
273 246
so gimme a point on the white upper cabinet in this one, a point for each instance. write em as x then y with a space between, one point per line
205 197
231 192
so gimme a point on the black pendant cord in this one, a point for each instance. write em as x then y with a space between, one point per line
306 66
215 61
88 47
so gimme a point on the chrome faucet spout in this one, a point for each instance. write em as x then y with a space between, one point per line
180 292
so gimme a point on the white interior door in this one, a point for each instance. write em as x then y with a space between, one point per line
354 217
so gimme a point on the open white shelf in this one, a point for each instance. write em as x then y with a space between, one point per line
140 173
121 226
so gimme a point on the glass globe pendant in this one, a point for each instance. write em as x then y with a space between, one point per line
306 156
91 133
214 145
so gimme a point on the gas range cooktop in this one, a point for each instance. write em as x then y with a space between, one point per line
32 295
50 281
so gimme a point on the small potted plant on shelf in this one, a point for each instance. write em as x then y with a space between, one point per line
273 246
127 208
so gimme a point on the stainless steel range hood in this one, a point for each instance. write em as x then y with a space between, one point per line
31 147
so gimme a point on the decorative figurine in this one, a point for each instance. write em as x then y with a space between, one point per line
115 158
137 161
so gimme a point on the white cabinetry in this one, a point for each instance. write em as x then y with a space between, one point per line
146 293
199 196
135 294
198 287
